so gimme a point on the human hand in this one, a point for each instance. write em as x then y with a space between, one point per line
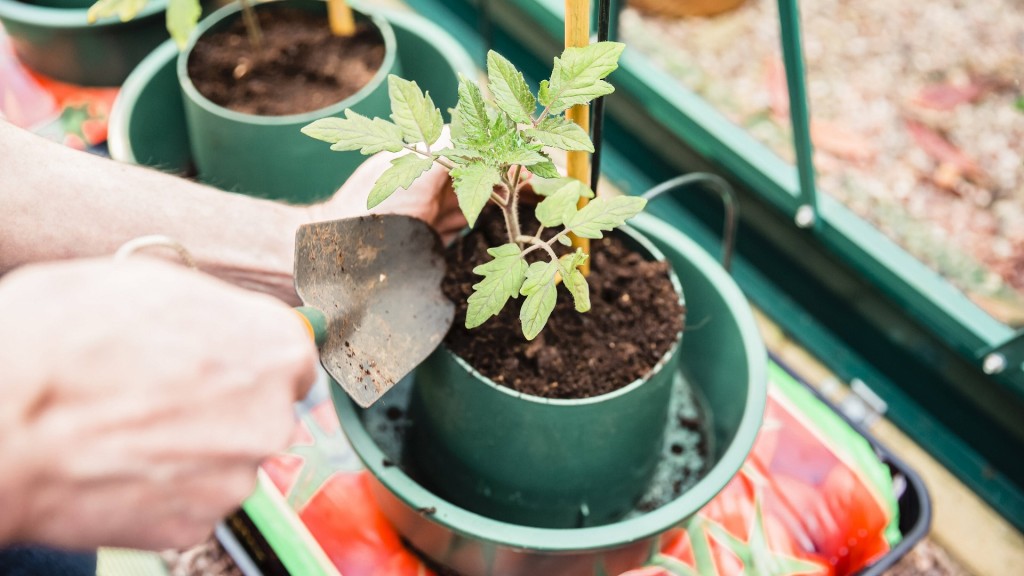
429 198
137 400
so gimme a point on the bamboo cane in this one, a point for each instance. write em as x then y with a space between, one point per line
340 17
577 34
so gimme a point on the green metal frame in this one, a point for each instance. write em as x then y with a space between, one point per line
852 297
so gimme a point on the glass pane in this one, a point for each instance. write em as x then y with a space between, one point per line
917 117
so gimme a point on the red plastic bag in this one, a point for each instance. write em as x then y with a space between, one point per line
812 499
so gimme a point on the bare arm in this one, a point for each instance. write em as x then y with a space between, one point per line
58 203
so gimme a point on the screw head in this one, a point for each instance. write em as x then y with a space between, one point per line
994 363
805 216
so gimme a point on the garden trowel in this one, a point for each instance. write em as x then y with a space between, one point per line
371 289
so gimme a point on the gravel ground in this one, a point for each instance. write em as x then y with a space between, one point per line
918 115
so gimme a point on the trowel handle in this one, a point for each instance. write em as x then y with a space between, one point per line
316 322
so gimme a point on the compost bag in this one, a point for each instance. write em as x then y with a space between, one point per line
812 498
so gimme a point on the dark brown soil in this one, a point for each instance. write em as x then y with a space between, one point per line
301 66
635 318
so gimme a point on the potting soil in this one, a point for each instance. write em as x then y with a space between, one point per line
634 320
300 66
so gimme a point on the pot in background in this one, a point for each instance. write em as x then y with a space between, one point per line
685 8
268 156
60 43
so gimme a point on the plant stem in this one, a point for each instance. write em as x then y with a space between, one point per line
536 243
514 200
547 245
252 26
427 154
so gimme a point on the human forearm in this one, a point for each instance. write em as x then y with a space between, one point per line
57 203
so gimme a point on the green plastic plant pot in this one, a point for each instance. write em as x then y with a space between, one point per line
268 156
724 361
61 44
555 463
147 122
64 3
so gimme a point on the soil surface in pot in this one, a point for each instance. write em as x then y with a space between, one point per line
300 67
634 320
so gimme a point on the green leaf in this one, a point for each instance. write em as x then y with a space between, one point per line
564 241
414 111
604 214
459 155
473 185
471 113
577 75
553 210
356 132
544 93
574 280
540 292
503 277
545 169
548 186
124 9
558 132
509 89
1020 104
403 172
182 17
522 156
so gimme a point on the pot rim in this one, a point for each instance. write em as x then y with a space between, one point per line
192 93
657 254
69 18
554 540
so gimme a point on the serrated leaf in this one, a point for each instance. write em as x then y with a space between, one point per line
471 113
544 93
541 294
574 280
552 210
558 132
503 277
548 186
459 155
522 156
545 170
539 274
403 172
604 214
356 132
414 112
473 185
577 75
182 17
509 89
124 9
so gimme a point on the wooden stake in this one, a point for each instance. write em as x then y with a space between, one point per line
577 34
340 17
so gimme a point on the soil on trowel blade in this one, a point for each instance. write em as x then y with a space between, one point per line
635 318
300 66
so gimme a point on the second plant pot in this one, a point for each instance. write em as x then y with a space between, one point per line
268 156
56 39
